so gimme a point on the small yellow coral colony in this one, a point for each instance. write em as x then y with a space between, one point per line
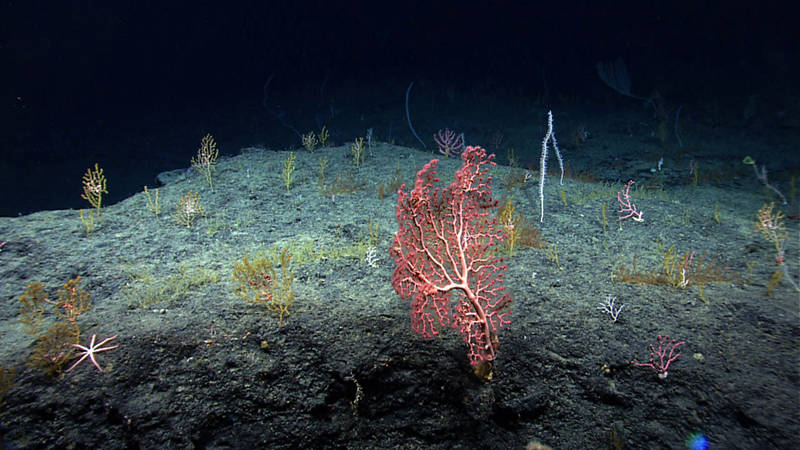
258 284
309 141
152 201
94 186
357 149
771 226
206 158
510 222
189 209
287 174
54 343
323 136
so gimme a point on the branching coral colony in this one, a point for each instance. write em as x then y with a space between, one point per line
358 152
189 209
770 224
678 270
287 173
258 284
520 231
206 158
309 141
54 344
94 186
444 252
549 136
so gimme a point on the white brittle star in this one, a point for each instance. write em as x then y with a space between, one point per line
91 350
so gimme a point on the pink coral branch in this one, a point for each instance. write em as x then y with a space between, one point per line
626 205
443 252
661 365
450 143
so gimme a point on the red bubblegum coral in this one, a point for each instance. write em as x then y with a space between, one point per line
444 250
664 360
627 206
